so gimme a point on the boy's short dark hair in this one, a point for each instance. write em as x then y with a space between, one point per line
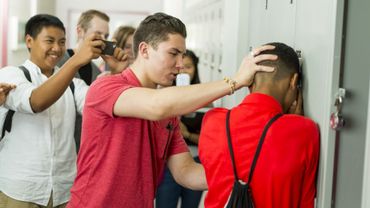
287 62
36 23
155 29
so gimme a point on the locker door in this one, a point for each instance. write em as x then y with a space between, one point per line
272 21
350 151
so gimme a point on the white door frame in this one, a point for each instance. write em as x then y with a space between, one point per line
4 11
366 188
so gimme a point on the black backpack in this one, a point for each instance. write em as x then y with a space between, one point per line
7 126
241 195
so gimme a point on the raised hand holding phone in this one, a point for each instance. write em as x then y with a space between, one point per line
109 48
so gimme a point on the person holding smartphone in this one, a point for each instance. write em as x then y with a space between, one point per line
91 22
38 152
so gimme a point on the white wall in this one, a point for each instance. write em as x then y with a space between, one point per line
19 12
123 12
235 44
217 32
174 8
3 32
43 6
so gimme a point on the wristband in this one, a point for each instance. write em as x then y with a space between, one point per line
231 83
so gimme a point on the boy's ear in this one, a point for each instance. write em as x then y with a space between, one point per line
144 49
80 32
28 40
294 81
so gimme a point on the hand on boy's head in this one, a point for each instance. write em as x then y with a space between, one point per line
250 66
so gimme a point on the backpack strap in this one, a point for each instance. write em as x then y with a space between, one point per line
7 126
72 87
230 145
7 123
70 52
259 147
26 73
9 115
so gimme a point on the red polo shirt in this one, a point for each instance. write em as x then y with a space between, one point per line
120 159
285 174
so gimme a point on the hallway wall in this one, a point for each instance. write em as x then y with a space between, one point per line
121 12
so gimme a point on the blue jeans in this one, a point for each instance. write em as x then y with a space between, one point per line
169 192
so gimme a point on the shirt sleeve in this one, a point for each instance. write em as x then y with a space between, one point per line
104 92
178 144
309 182
19 98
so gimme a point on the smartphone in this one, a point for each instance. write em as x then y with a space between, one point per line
182 79
109 48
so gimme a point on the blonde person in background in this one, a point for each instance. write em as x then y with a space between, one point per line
89 22
124 36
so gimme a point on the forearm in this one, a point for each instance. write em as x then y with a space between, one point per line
175 101
158 104
193 177
193 137
187 172
50 91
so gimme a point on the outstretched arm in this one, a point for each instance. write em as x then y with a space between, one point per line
50 91
156 104
187 172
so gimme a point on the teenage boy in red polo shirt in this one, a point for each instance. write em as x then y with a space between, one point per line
285 171
130 127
